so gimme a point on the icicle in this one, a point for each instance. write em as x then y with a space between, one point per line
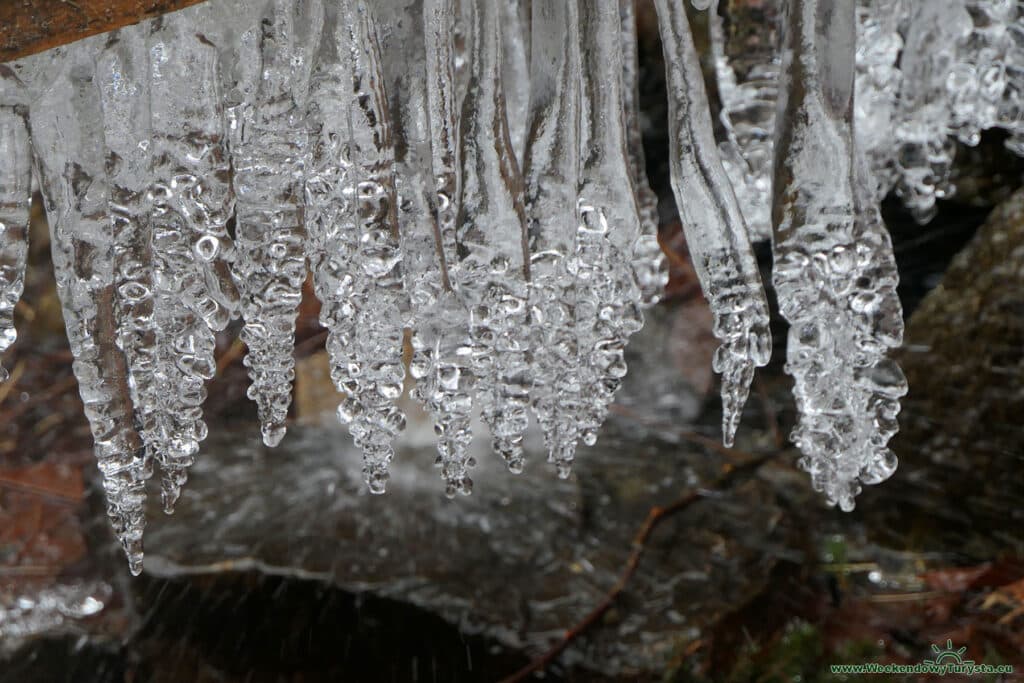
607 296
515 69
68 132
986 85
878 85
716 233
443 119
15 201
442 350
747 77
365 309
551 176
493 270
834 268
122 72
192 203
650 263
332 233
269 159
925 152
424 263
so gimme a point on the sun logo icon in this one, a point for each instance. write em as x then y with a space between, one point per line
948 655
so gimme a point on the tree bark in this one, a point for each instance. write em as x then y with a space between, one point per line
30 26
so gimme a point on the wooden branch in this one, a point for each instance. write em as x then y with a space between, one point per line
30 26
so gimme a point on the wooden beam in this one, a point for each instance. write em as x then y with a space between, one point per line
30 26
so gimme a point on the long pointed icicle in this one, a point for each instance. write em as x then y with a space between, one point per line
366 348
269 160
441 348
493 270
607 295
192 202
551 173
68 131
835 273
332 234
122 78
15 201
649 262
716 233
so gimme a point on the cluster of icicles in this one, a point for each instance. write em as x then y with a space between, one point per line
469 173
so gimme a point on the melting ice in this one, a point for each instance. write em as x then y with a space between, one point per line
466 176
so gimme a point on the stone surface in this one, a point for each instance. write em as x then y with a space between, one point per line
961 444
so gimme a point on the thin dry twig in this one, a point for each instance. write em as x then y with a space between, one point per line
57 496
234 352
311 344
65 385
654 518
7 387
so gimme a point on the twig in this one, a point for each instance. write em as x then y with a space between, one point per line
29 570
654 518
311 344
55 390
234 352
12 381
30 27
53 495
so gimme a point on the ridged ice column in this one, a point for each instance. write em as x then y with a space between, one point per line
650 264
442 351
360 278
551 174
67 126
192 202
878 83
716 232
608 295
122 76
270 153
747 74
15 201
493 267
834 268
515 68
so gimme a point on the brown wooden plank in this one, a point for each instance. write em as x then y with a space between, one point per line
30 26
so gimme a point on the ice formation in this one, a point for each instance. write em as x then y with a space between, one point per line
15 200
746 65
465 178
834 270
716 232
